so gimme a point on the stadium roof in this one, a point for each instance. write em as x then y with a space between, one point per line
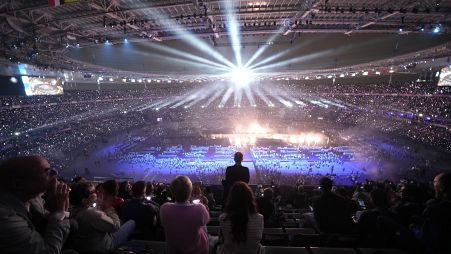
34 31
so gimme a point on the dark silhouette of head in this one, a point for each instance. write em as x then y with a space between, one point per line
326 184
379 198
442 185
26 176
139 189
238 158
240 204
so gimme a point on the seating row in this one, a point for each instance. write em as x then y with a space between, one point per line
138 246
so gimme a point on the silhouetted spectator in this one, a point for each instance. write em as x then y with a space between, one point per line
369 223
21 180
234 174
331 212
125 189
265 205
437 225
136 208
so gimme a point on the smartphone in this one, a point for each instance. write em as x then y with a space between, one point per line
361 204
196 201
94 205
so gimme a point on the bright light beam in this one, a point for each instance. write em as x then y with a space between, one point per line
241 77
186 55
184 61
295 60
234 30
190 38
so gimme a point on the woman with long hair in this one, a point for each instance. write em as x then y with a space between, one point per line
241 225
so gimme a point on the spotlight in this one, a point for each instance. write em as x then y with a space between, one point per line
436 30
125 40
78 45
13 80
241 77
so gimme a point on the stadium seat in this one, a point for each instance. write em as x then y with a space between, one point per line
306 240
297 231
285 250
138 246
213 230
273 231
275 240
379 251
316 250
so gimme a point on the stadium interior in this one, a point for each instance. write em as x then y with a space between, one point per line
357 91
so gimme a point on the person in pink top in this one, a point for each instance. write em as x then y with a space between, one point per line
184 223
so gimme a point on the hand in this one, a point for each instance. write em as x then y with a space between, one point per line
62 197
50 195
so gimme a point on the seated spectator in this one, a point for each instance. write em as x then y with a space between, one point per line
198 197
210 197
265 205
161 194
184 223
241 225
21 180
125 189
331 212
369 222
144 214
408 205
437 226
110 191
99 228
149 190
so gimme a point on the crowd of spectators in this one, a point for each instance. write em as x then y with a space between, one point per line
86 217
64 127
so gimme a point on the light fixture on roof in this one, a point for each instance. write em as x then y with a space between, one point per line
436 29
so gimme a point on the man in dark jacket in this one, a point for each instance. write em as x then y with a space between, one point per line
142 212
234 174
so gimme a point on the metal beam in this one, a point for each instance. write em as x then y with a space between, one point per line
413 4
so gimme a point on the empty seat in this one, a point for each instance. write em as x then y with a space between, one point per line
285 250
380 251
316 250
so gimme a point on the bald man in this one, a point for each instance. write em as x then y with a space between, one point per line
23 179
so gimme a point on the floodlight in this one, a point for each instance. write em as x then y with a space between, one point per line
241 77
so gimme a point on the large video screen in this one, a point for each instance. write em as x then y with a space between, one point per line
42 85
445 77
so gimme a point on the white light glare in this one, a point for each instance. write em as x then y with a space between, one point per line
241 77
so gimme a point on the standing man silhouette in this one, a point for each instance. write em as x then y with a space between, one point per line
234 174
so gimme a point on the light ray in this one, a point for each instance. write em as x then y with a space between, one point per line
186 55
234 30
190 38
294 60
214 97
226 97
